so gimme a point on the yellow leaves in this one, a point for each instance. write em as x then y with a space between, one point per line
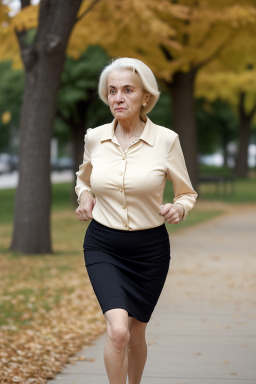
239 15
6 117
228 86
180 12
126 28
190 31
7 37
26 19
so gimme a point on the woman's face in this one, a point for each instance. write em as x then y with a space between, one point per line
125 94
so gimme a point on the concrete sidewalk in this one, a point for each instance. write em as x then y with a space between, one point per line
204 327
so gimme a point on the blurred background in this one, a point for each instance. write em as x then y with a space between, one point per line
203 54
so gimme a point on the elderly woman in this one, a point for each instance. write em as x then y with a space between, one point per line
120 187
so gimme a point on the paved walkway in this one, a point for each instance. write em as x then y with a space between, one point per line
203 330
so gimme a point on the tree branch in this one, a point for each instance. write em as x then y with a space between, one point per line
166 52
27 54
213 55
241 106
25 3
42 27
21 36
205 38
252 112
94 2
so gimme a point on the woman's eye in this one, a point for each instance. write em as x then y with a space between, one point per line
111 91
128 90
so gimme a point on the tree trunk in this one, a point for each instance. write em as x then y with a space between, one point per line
78 145
184 120
224 142
78 132
225 155
43 66
241 169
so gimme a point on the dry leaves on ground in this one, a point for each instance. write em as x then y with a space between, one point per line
48 311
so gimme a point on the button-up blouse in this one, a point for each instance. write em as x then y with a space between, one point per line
128 185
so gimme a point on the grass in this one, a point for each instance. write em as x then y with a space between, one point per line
241 191
244 192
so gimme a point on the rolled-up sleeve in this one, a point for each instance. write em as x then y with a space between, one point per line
84 174
177 172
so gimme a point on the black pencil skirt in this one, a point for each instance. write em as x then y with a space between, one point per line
127 269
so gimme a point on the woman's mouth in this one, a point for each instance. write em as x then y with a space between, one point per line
119 109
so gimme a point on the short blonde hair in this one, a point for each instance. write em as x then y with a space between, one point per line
146 76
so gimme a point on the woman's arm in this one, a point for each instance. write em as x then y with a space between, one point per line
184 194
83 190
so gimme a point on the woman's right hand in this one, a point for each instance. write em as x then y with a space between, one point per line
84 210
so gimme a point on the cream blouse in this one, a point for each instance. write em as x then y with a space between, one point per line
128 185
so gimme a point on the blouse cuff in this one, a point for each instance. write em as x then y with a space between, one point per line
185 210
81 191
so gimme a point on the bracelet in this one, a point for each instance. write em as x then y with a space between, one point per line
185 210
85 190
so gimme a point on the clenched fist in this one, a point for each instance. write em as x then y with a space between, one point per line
84 210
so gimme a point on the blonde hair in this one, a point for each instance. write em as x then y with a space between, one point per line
145 74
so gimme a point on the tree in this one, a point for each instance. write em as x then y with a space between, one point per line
239 90
176 39
217 126
43 61
233 80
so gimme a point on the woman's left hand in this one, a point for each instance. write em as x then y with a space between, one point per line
172 213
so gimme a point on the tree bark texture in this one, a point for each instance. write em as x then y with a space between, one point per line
241 169
184 119
43 63
78 131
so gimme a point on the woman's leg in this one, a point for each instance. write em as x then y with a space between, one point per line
137 350
115 354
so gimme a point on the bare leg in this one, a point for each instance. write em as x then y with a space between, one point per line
115 354
137 350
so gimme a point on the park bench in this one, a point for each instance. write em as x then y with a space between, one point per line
224 185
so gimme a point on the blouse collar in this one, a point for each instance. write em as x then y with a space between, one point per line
148 135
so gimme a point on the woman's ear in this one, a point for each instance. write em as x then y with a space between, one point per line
147 97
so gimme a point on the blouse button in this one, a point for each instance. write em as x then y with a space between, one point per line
123 206
120 190
124 225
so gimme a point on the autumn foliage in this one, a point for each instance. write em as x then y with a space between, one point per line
48 308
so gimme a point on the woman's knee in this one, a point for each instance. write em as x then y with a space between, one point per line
118 335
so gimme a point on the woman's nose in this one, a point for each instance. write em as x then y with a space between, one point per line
119 98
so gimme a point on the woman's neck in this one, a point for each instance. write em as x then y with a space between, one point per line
130 128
